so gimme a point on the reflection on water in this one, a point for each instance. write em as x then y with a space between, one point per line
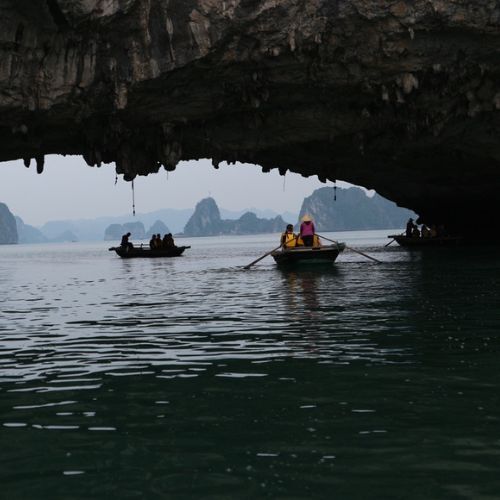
190 377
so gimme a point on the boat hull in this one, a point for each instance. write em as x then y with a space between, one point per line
141 253
307 255
438 241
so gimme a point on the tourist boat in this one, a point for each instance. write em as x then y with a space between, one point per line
308 255
436 241
140 252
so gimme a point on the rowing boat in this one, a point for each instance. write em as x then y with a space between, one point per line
308 255
436 241
139 252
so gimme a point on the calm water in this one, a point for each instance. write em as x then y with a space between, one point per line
191 378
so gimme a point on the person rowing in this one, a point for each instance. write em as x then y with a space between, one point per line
288 238
307 231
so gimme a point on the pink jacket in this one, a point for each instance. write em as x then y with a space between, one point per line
307 229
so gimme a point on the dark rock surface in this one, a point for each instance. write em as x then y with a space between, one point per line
206 221
8 228
352 211
399 96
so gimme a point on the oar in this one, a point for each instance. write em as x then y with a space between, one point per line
392 241
352 249
260 258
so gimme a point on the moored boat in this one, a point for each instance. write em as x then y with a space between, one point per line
436 241
140 252
308 255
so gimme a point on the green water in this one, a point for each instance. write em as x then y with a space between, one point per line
190 378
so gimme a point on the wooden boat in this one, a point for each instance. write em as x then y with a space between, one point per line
140 252
308 255
436 241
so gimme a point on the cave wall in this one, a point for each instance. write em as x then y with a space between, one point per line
399 96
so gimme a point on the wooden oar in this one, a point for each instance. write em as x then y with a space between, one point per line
352 249
392 241
260 258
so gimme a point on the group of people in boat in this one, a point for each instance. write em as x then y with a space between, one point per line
156 241
413 231
307 236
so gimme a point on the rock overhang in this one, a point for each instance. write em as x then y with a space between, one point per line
402 97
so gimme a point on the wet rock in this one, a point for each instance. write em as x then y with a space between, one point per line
290 85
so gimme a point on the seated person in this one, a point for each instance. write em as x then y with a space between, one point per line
158 242
425 232
288 238
409 228
168 241
433 231
152 242
125 243
316 241
415 232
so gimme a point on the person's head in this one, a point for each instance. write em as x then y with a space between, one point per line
129 234
289 228
307 219
169 235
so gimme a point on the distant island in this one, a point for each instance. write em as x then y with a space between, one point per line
116 231
353 210
206 221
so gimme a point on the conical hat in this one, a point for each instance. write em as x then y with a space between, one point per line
306 218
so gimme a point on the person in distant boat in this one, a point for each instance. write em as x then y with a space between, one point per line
288 238
416 232
307 231
409 228
125 243
152 242
168 241
425 232
158 242
433 231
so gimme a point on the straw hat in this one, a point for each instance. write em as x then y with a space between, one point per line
306 218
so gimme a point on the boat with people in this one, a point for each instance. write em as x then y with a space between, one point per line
158 247
419 242
141 252
326 254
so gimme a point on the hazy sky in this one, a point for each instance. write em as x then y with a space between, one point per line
70 189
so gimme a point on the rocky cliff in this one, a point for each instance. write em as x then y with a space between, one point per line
29 234
116 231
402 96
352 210
8 228
206 221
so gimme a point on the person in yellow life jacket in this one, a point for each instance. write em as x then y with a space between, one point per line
288 238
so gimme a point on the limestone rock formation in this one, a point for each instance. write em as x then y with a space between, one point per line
158 227
353 210
8 229
116 231
29 234
402 96
206 221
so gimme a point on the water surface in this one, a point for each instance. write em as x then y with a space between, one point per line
191 378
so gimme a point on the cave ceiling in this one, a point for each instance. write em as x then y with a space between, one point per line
399 96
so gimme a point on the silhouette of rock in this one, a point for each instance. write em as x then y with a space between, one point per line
29 234
353 210
206 221
8 228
